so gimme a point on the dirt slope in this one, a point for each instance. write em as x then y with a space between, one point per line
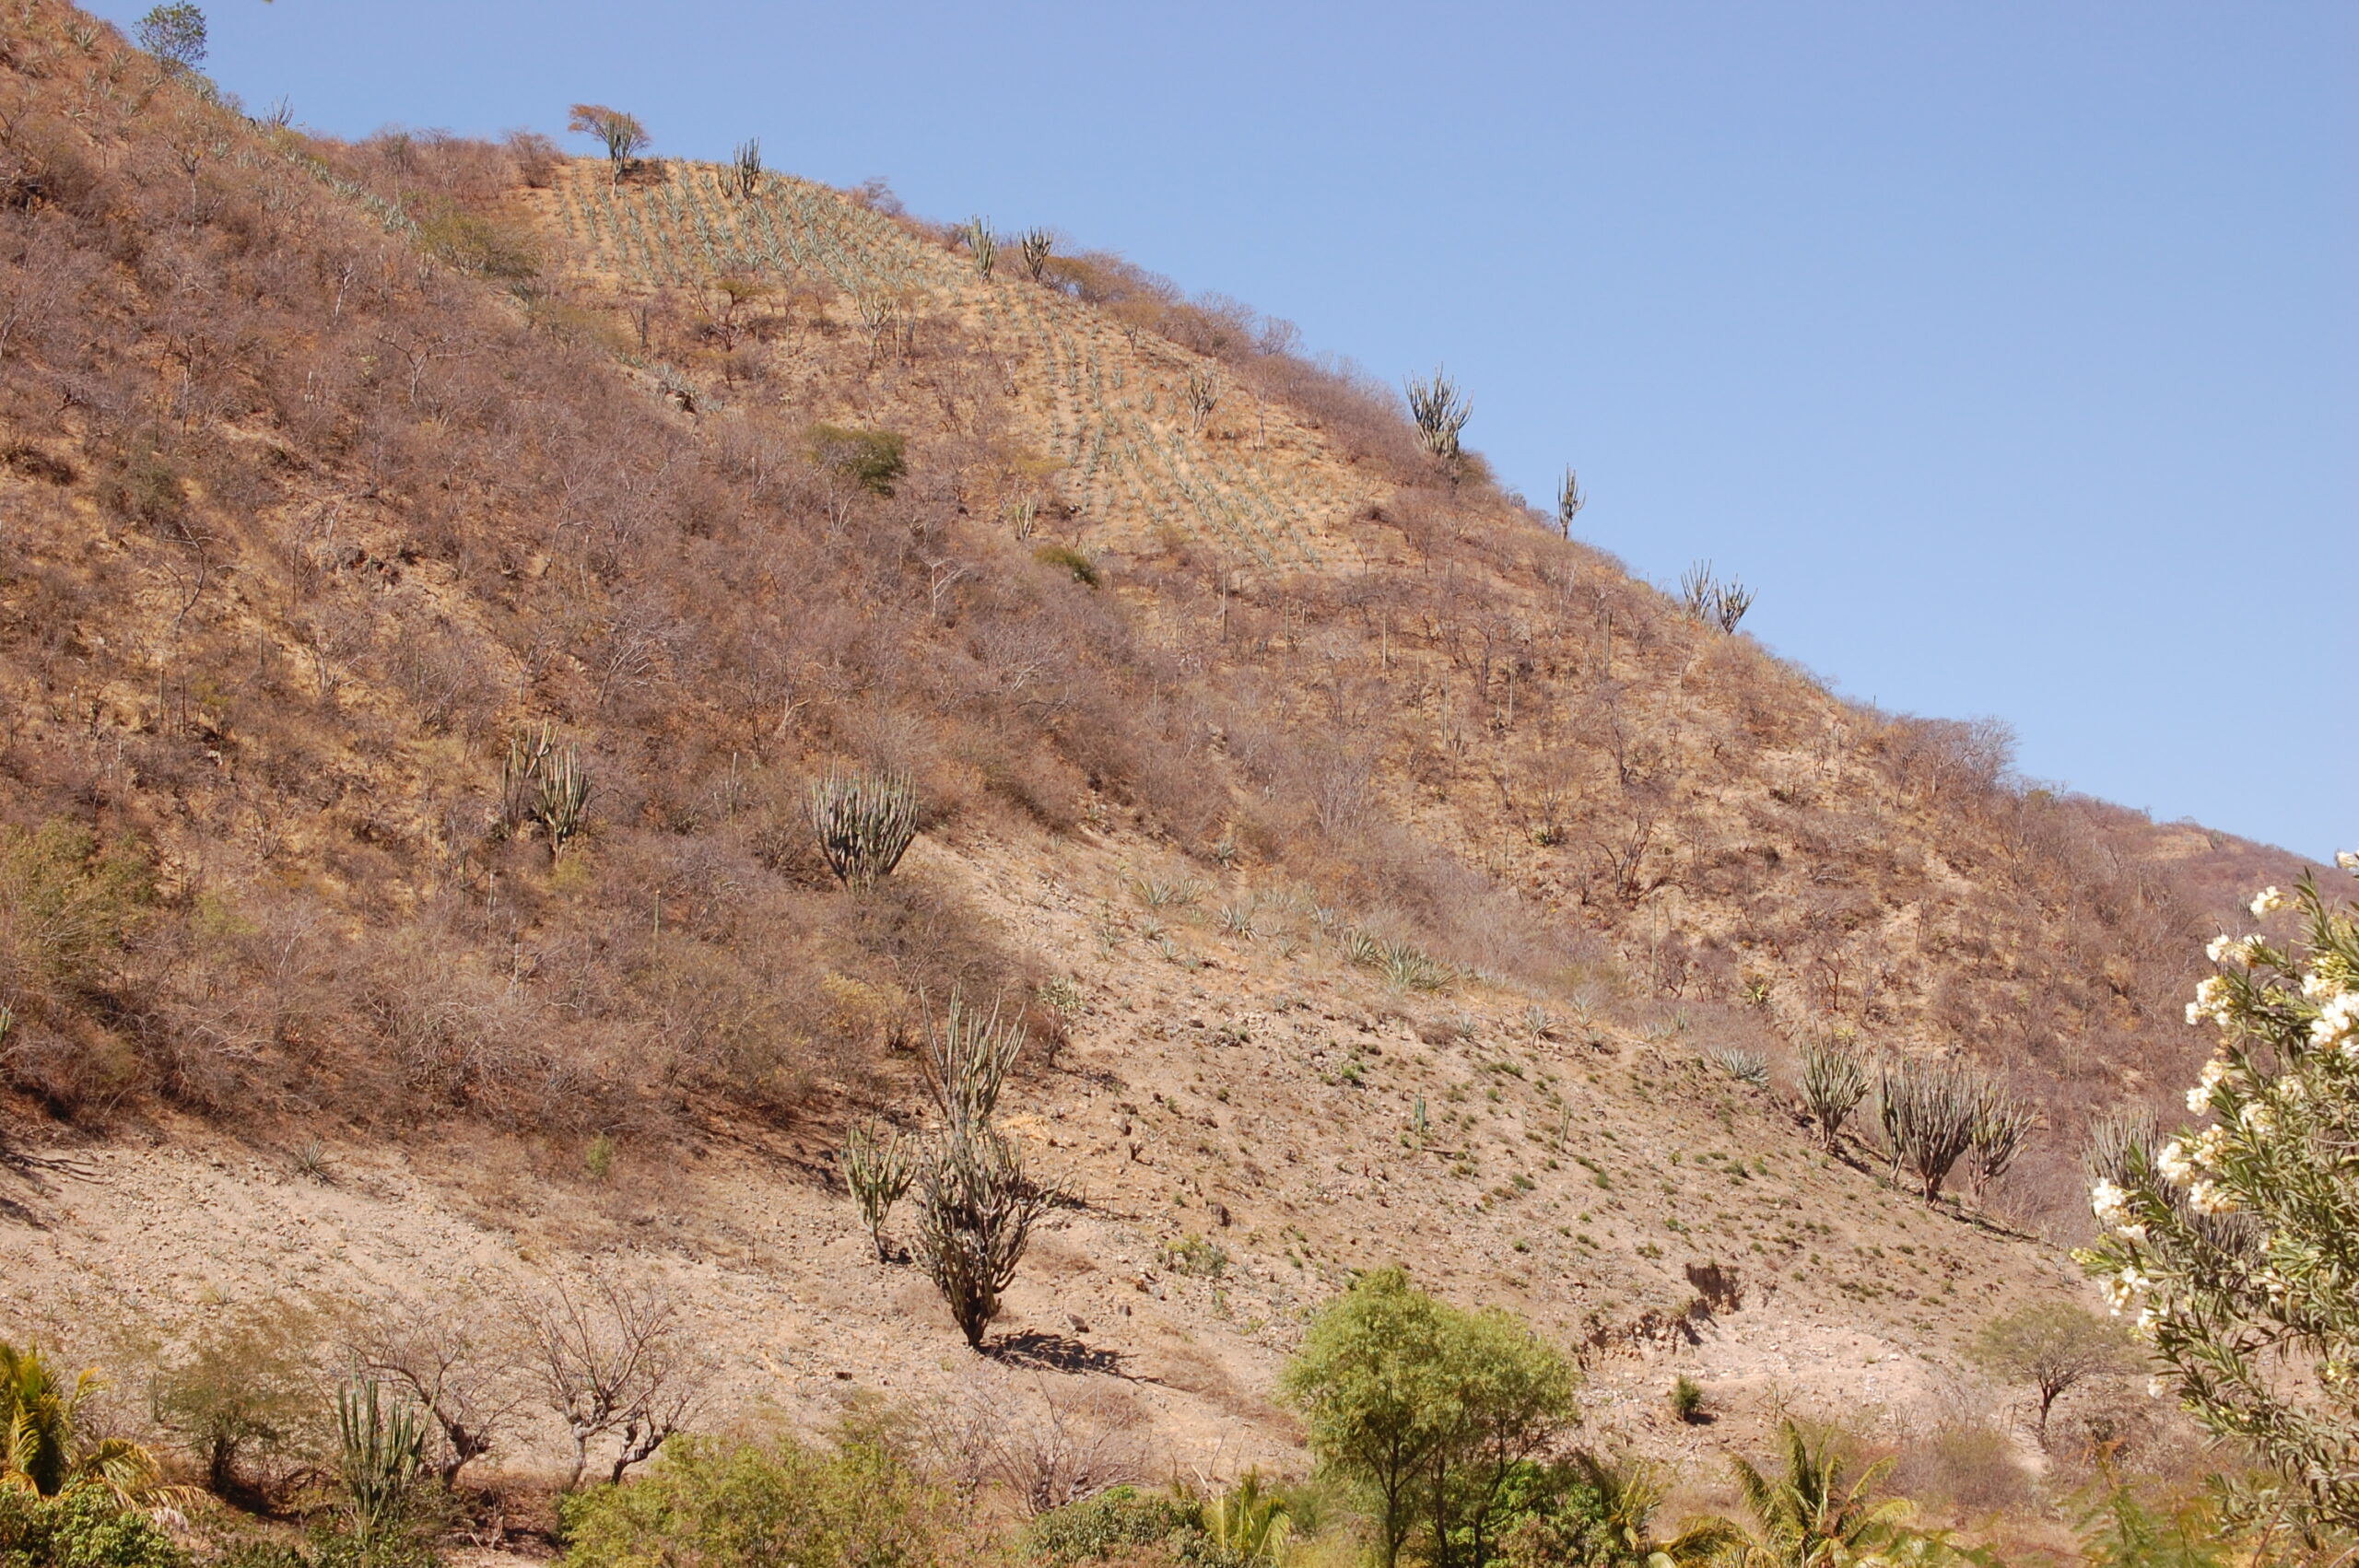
1379 873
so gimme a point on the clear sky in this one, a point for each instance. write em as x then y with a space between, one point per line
2006 348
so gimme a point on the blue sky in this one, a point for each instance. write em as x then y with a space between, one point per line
2008 349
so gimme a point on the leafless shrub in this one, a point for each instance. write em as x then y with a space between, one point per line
614 1360
456 1357
1070 1447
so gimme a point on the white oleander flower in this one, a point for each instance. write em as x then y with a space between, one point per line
2237 950
2132 1232
2109 1202
2347 859
2124 1288
2211 1198
2260 1118
2211 1147
2267 899
2337 1020
2210 1000
2176 1163
2216 1072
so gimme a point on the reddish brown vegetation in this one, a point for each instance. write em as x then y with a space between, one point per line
315 501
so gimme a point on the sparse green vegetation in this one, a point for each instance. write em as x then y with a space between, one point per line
874 460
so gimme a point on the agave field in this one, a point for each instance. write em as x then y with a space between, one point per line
1111 404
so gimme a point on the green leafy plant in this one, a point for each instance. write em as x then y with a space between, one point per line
2054 1347
1688 1399
242 1391
2231 1244
44 1451
765 1504
871 459
1064 556
1431 1409
1116 1521
1816 1513
83 1526
174 34
1249 1523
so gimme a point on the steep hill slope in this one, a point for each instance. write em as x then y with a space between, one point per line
1378 868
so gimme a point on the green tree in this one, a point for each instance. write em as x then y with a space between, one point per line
1814 1516
2054 1347
175 35
2233 1244
1369 1379
1433 1410
1513 1394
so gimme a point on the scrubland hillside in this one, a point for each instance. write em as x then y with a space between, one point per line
1382 877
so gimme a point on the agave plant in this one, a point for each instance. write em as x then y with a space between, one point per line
41 1450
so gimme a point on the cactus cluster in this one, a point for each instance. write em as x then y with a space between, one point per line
1036 246
544 785
977 234
1441 413
864 823
1833 1082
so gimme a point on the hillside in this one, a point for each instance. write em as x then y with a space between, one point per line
1379 871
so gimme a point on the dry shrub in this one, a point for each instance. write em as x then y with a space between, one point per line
1967 1463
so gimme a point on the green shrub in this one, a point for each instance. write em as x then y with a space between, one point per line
872 459
1686 1400
1084 569
83 1526
1429 1409
66 905
1113 1521
759 1503
244 1391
